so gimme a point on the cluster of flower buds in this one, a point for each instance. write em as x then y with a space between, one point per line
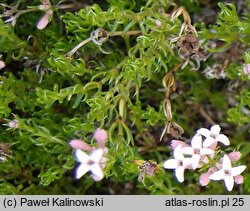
94 161
203 151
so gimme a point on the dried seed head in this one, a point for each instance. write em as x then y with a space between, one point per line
174 129
188 45
99 36
4 151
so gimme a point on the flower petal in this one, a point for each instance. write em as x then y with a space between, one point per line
226 163
213 146
97 171
96 155
223 139
218 175
171 164
215 130
187 150
196 160
196 142
179 173
204 131
208 142
187 162
229 182
178 155
206 151
237 170
81 156
81 170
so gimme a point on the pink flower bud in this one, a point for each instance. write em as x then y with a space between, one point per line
234 156
238 179
204 178
2 64
45 19
176 143
79 144
101 136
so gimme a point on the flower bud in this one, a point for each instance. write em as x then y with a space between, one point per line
45 19
239 179
79 144
100 135
176 143
234 156
2 64
204 178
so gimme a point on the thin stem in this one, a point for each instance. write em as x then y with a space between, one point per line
118 33
128 33
71 53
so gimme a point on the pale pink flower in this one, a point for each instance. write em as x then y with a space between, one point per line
227 173
198 152
92 162
179 163
213 136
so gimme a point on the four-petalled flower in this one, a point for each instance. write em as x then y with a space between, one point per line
198 152
92 162
227 173
179 163
213 136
